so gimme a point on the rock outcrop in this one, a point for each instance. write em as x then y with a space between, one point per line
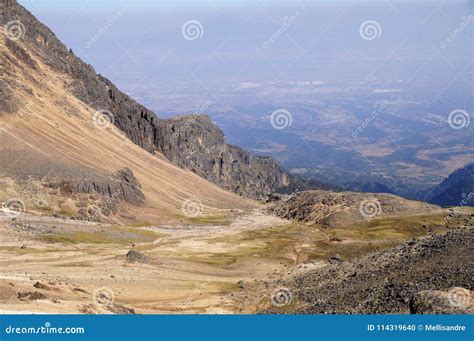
341 208
452 301
135 256
113 189
193 142
121 186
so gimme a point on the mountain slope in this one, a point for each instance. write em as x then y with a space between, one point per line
456 190
388 281
58 157
181 140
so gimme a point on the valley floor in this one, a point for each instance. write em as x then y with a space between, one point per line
217 265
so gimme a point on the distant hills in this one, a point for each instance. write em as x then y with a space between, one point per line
456 190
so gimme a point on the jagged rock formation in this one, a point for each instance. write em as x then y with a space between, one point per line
121 186
456 190
191 142
391 281
112 190
343 208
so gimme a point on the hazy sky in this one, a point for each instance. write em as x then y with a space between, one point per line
240 41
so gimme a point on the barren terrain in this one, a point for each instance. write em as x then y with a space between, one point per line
215 265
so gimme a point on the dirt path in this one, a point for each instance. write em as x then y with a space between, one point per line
188 269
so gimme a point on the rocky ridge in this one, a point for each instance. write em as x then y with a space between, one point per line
338 208
433 274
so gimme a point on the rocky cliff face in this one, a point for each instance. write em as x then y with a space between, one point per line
195 143
192 142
